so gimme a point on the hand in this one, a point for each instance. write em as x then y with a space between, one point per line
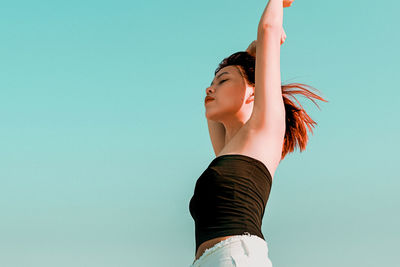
287 3
251 49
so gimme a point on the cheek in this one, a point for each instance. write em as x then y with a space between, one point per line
230 103
229 99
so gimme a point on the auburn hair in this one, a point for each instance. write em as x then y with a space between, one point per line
297 119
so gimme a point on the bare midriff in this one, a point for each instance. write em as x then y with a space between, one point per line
208 244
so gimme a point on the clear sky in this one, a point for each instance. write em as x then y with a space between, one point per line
103 131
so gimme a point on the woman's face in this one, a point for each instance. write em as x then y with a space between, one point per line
230 93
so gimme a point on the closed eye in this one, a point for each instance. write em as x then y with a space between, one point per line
222 81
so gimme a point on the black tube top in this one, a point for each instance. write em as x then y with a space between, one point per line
230 197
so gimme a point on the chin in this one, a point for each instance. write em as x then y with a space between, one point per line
212 116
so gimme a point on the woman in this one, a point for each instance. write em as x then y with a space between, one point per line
251 132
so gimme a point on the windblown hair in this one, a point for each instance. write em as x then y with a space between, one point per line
297 119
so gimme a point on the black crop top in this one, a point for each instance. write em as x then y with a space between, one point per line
230 197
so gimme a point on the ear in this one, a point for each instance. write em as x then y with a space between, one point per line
250 98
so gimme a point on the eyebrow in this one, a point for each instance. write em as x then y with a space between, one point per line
219 76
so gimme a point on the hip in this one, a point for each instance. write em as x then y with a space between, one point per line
209 244
238 250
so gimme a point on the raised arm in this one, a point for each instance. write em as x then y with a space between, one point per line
217 135
269 110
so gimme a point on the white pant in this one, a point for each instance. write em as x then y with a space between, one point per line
236 251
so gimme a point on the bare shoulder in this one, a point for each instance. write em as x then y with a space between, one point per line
258 143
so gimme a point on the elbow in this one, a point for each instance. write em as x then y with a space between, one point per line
270 27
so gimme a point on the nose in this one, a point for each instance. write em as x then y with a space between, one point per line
208 90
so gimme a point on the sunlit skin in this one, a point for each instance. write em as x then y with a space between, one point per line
234 99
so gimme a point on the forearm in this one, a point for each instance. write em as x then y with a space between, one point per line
272 15
216 129
217 135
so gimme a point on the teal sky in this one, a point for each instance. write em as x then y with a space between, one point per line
103 131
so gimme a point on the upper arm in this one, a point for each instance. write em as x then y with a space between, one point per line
217 135
268 110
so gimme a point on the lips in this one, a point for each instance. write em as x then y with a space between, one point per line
208 98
